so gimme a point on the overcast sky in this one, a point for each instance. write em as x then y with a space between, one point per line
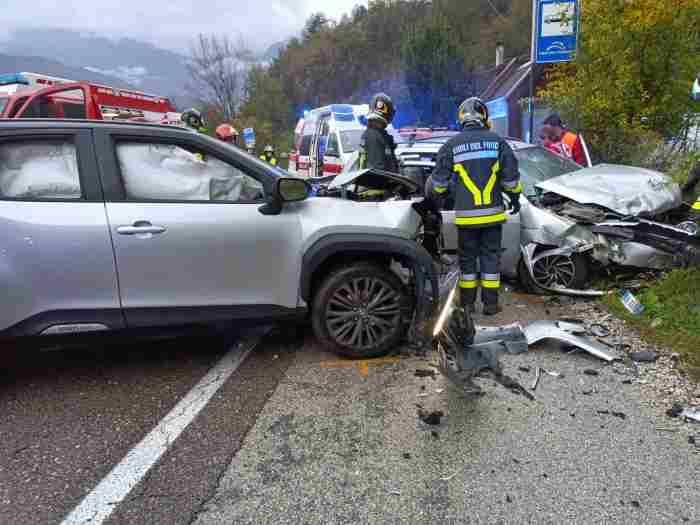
172 23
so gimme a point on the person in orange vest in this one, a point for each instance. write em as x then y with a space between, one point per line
564 141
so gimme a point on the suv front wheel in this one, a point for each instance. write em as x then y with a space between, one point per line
358 311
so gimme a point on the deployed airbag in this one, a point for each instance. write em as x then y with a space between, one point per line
39 169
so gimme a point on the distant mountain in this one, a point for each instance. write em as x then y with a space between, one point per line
15 64
139 64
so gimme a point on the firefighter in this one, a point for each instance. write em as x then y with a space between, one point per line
478 166
268 155
377 146
227 133
194 119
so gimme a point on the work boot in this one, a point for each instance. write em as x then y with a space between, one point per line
492 309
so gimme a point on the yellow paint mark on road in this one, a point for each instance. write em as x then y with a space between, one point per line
361 364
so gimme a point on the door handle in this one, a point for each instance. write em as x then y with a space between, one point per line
140 228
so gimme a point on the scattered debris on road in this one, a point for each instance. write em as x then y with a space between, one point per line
599 330
644 357
591 372
538 375
631 303
420 372
692 414
536 382
430 418
524 368
448 478
621 415
406 455
566 332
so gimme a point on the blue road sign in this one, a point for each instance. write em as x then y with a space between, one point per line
556 30
249 137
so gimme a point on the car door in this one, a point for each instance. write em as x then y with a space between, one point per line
56 261
190 242
318 146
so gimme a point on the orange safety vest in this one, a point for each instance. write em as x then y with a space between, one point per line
568 140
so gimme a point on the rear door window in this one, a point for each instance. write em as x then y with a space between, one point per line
39 169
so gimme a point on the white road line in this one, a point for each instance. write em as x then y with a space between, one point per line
99 504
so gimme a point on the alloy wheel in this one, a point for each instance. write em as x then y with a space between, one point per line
363 313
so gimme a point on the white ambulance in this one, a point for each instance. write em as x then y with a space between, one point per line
326 140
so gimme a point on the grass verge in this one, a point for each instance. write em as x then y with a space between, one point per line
671 316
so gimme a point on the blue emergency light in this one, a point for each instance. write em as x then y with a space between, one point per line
13 78
342 113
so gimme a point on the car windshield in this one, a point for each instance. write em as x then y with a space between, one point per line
351 139
536 165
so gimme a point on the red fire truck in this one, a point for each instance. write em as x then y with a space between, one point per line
31 95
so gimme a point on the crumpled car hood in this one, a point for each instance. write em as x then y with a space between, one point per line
375 180
626 190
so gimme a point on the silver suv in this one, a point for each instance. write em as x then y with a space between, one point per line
112 227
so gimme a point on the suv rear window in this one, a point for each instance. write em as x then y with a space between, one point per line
39 170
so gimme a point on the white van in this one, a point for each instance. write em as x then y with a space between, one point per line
326 139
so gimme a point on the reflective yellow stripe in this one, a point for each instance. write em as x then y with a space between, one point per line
488 190
273 162
459 169
491 284
696 205
438 189
518 188
472 221
467 284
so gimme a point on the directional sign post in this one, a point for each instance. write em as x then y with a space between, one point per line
556 31
555 25
249 137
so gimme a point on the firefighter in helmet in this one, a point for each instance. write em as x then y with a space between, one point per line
268 155
227 133
377 146
478 166
194 119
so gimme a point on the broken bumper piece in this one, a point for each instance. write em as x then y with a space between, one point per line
566 333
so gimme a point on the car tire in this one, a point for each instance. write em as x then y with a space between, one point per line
577 266
344 318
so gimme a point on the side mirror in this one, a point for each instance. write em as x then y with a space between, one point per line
287 189
290 189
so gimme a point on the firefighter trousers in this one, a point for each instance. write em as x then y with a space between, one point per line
484 245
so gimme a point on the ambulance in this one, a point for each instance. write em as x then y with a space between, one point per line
325 140
32 95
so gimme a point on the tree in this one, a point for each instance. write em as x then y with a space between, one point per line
632 76
430 58
218 66
267 109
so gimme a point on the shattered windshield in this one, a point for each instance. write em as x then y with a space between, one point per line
351 139
537 164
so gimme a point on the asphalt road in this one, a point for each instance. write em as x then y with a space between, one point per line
296 435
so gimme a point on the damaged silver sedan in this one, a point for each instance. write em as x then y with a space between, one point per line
574 221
